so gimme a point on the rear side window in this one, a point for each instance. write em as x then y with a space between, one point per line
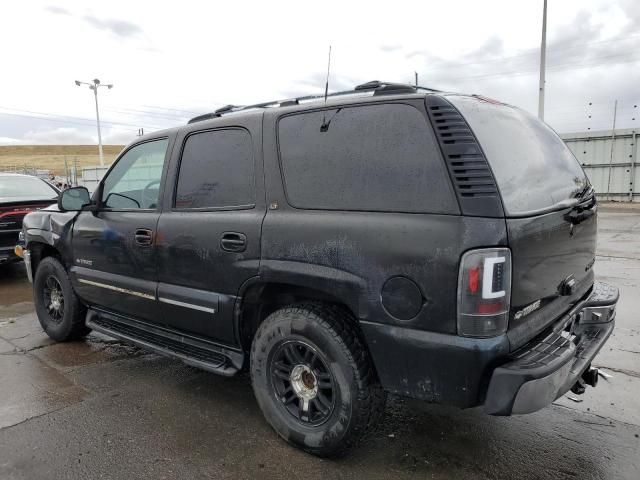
368 158
533 167
216 170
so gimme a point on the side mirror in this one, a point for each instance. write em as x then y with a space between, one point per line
73 199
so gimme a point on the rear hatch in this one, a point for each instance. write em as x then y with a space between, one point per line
550 212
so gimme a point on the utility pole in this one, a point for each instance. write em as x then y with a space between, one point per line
543 54
416 78
94 85
613 140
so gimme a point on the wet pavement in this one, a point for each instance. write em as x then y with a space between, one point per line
101 409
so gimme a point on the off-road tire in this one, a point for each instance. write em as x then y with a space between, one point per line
71 325
358 399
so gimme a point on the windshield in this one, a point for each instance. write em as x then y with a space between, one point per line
18 188
533 167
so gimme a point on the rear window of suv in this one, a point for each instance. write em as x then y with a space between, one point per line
366 158
533 167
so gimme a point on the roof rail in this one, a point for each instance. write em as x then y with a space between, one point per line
375 86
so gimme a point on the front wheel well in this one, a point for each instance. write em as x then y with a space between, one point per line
261 300
39 251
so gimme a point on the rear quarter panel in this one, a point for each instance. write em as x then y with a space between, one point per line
351 255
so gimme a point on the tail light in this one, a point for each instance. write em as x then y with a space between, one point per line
19 211
484 292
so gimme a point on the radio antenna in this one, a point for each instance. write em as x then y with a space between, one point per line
325 125
326 85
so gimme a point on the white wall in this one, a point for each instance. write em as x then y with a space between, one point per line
614 176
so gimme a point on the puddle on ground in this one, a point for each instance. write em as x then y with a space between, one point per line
92 349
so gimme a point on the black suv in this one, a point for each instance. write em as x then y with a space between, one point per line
387 239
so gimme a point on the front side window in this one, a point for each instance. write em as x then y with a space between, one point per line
367 158
134 182
216 170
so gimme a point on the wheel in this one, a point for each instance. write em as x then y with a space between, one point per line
313 378
59 310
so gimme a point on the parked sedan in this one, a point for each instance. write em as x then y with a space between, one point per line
19 195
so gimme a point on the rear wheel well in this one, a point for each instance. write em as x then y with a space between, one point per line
261 300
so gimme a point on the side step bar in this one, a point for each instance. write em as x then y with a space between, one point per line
191 350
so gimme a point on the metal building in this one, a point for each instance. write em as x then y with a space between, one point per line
610 160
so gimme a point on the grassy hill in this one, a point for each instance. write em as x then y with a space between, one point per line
52 157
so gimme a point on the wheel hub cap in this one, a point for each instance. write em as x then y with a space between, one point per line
56 301
302 382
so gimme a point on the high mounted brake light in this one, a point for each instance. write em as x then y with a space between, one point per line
484 292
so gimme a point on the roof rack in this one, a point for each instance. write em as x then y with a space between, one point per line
375 86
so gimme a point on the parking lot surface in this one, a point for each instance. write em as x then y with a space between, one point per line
102 409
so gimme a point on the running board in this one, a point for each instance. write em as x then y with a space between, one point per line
194 351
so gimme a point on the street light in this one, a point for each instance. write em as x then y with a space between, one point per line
94 86
543 62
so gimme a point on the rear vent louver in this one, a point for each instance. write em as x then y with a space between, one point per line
469 170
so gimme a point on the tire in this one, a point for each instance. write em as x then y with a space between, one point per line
59 310
332 394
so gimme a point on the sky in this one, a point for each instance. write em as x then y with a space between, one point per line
170 61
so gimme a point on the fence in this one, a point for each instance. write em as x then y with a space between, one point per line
91 176
610 162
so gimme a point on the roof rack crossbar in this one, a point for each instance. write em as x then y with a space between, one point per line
375 86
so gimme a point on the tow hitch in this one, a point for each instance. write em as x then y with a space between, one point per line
589 377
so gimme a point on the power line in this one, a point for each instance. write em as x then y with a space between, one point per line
137 113
188 112
556 67
62 118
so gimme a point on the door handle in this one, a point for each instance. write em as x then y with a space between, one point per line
144 237
233 242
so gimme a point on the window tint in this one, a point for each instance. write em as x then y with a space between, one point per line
533 167
374 157
216 170
134 182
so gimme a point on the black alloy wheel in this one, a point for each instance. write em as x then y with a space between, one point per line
60 311
302 382
314 379
53 298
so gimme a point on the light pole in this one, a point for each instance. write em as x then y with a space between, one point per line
94 86
543 62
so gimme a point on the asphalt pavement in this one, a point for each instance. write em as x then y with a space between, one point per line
99 408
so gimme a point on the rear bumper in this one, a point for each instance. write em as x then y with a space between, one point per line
468 372
547 368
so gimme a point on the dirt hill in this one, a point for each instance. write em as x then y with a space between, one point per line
52 157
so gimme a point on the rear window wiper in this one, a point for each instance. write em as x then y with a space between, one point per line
586 191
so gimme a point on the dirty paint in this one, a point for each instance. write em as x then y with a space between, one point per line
98 408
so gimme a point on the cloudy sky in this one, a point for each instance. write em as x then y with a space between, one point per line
170 61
